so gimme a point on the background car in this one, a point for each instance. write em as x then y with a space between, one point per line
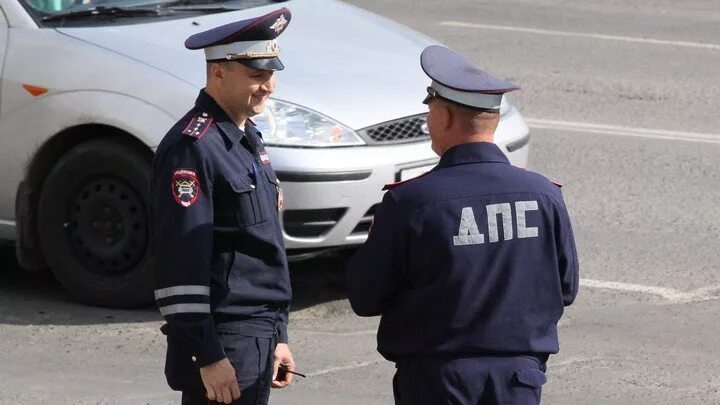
88 91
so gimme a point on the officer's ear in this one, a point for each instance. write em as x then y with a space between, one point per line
445 115
216 71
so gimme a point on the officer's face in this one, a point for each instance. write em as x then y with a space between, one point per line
245 89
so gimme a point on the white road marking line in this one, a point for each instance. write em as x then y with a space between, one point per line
344 368
635 132
573 360
652 41
666 293
670 295
706 293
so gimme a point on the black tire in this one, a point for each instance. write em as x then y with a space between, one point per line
93 223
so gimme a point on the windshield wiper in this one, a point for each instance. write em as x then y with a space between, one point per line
196 5
172 3
118 12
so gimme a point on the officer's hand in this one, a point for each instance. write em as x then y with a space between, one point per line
220 382
282 356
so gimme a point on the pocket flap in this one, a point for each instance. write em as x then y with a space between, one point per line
533 378
272 177
240 186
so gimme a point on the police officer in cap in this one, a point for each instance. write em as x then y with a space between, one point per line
222 281
471 264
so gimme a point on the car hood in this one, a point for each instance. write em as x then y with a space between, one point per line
353 66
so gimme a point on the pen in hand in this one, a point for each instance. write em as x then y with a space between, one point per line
285 368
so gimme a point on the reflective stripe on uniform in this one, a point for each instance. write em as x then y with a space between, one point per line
185 309
182 290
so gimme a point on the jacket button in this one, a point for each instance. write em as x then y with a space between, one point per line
194 358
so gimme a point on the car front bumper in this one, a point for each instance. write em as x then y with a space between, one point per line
331 194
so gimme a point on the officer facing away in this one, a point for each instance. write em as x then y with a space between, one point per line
471 264
221 272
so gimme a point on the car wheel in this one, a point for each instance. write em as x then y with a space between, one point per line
93 223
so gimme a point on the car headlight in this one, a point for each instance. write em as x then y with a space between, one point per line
286 124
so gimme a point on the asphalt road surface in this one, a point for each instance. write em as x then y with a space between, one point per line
624 104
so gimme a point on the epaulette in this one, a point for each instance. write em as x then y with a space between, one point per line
551 181
198 125
397 183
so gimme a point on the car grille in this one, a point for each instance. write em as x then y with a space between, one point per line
311 223
408 129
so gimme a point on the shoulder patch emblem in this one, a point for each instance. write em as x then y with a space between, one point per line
198 126
185 187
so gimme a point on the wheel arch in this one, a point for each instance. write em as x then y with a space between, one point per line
28 251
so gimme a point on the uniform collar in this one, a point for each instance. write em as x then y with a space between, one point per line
232 133
475 152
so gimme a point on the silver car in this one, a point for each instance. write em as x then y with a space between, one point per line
88 90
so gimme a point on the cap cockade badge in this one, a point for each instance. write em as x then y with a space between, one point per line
279 23
273 47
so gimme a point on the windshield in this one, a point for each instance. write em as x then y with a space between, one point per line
50 7
42 9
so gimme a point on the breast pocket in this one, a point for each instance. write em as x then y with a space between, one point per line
249 209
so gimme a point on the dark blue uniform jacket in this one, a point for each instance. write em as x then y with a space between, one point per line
218 245
475 257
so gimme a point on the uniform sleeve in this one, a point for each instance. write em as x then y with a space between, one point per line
283 327
567 256
183 231
373 273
